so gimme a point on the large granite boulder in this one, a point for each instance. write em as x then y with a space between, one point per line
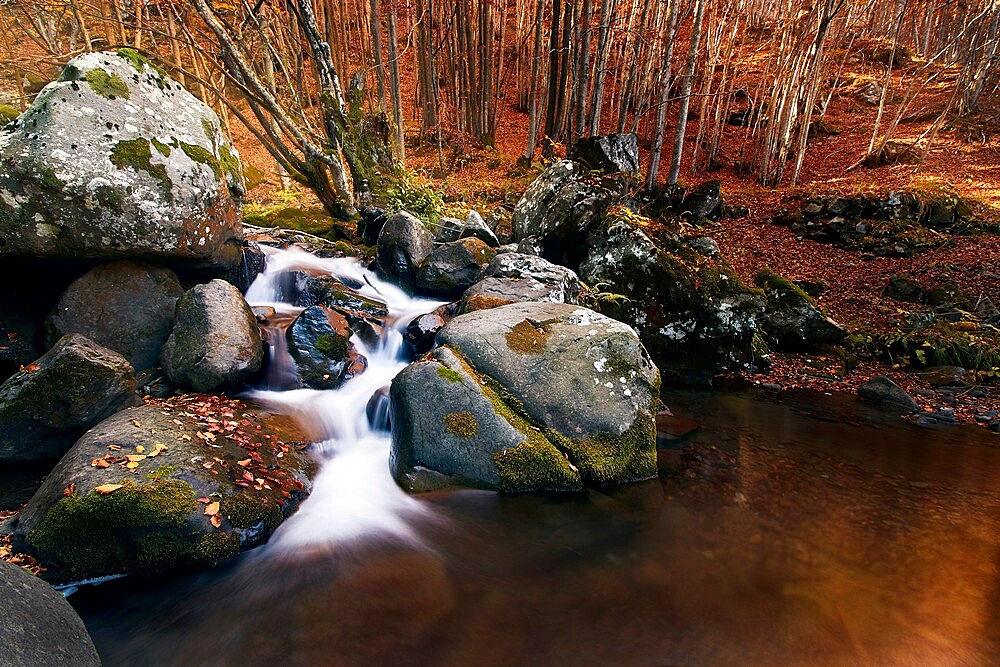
125 306
612 153
215 341
38 626
155 489
115 160
524 397
694 315
47 405
452 268
319 342
403 244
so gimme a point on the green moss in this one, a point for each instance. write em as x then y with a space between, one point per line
531 466
161 147
229 162
448 374
244 511
209 129
462 424
138 528
333 345
217 547
162 472
310 219
345 248
783 290
138 60
527 338
48 178
202 155
8 113
606 458
136 153
107 85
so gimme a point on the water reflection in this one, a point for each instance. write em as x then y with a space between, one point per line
772 537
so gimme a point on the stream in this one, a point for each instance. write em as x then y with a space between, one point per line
794 529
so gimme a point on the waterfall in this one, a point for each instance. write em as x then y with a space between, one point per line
354 494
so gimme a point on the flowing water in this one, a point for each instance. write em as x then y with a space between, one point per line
806 532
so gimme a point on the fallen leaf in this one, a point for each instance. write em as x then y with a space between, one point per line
140 449
247 476
136 422
132 465
204 499
212 509
105 489
244 463
100 463
69 490
135 457
31 368
158 448
216 520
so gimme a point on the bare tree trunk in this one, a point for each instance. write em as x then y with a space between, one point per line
675 162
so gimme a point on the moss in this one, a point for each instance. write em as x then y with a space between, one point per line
345 248
48 178
107 85
448 374
162 472
8 113
783 290
462 424
333 345
123 531
209 129
228 161
531 466
479 302
136 153
244 511
310 219
138 60
161 147
216 547
606 458
202 155
527 338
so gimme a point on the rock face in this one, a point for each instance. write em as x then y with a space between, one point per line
45 407
515 277
38 626
613 153
125 306
452 268
187 502
691 310
116 160
319 342
527 396
791 318
215 341
403 244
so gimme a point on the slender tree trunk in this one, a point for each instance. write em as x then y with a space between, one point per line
675 162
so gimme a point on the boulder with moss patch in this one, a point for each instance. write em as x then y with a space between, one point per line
51 402
155 489
452 268
319 342
116 160
791 318
561 397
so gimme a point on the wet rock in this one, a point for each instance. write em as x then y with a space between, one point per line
612 154
365 315
452 268
19 335
563 281
38 626
48 405
377 410
319 342
694 315
125 306
946 376
252 263
188 502
884 391
215 341
792 318
403 244
115 160
704 202
370 225
529 396
421 332
905 289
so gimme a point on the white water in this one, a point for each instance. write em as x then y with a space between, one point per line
353 495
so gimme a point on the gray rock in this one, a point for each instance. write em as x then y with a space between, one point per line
403 245
452 268
421 332
704 202
38 626
449 229
884 391
319 342
215 341
476 227
612 154
115 160
495 292
792 318
530 245
564 283
541 396
153 522
705 245
947 376
508 247
125 306
531 210
871 93
48 405
905 289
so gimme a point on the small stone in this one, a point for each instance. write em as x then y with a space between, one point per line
886 392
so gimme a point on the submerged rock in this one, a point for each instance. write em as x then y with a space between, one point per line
125 306
38 626
527 396
116 160
199 493
215 341
46 406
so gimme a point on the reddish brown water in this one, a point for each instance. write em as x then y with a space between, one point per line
778 534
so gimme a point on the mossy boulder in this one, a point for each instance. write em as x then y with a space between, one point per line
125 306
791 318
47 405
156 489
452 268
562 397
319 342
691 310
215 341
115 160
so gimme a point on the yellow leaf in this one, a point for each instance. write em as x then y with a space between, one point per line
212 509
135 457
140 449
105 489
132 465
